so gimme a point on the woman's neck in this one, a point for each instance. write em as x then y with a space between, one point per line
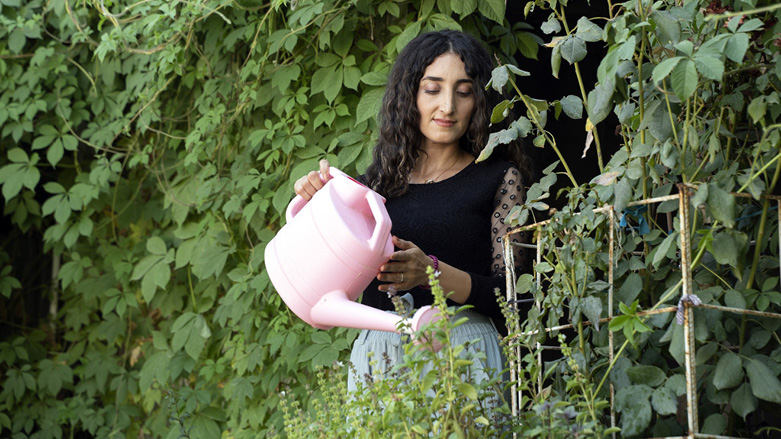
437 164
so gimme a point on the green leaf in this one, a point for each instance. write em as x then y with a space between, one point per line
623 194
12 177
685 46
492 10
661 251
664 401
729 371
743 401
55 152
320 78
588 30
205 428
632 402
572 106
410 32
321 337
18 155
375 78
500 111
736 47
600 101
684 79
352 77
667 26
310 352
468 390
573 49
764 383
715 424
592 308
722 205
649 375
464 7
555 61
157 276
333 84
283 76
499 77
630 289
551 26
710 67
16 40
369 105
725 249
519 128
735 299
528 44
757 109
156 246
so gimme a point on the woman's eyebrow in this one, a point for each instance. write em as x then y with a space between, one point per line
438 79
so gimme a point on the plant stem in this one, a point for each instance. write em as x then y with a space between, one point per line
749 12
552 142
583 94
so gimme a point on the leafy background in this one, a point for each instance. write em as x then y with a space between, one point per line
146 157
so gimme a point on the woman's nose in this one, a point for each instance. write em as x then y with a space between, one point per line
448 103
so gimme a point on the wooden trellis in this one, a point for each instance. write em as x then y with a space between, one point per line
683 197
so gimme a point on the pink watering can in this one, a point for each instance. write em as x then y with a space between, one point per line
329 251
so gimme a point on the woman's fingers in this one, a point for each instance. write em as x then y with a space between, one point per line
308 185
325 170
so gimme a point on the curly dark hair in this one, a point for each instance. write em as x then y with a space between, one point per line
398 146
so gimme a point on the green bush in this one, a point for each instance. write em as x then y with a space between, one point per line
692 89
151 148
429 394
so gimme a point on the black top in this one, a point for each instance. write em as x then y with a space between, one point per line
460 220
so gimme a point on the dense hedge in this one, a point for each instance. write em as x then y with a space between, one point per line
146 155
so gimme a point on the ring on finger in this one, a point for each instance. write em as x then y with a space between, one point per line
402 278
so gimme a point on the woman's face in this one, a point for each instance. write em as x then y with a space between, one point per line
445 101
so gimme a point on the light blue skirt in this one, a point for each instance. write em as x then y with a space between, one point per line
478 333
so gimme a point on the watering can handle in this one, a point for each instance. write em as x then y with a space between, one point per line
298 202
382 225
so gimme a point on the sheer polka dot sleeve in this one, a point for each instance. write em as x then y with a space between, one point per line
510 193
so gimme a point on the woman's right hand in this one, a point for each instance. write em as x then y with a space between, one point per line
312 182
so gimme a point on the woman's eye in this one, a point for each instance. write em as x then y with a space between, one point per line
464 92
430 91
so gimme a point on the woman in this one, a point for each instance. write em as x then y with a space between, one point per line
447 211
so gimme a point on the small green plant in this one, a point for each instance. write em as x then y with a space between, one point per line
178 416
573 411
429 394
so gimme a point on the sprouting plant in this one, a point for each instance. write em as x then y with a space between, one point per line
178 416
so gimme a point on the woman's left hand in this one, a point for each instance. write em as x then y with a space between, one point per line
406 268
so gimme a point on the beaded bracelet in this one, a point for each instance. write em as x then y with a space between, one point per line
436 267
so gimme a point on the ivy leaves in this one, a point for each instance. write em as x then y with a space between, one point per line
154 269
21 172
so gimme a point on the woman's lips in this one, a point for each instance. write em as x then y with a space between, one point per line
444 122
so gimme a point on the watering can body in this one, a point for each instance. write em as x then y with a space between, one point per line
329 251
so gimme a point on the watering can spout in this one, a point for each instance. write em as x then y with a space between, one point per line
336 309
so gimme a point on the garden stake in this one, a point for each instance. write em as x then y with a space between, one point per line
539 307
509 264
611 264
688 321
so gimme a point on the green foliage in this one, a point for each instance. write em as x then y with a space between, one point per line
153 146
696 97
429 394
